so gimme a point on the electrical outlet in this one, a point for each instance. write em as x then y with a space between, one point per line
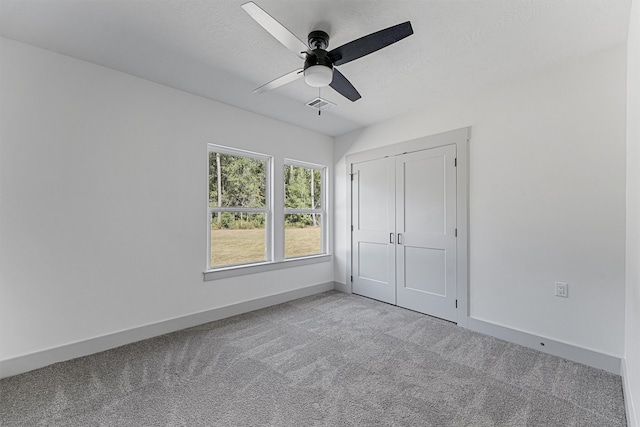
562 289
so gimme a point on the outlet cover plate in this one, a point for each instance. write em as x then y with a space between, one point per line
562 289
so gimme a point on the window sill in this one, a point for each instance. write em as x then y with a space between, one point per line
224 273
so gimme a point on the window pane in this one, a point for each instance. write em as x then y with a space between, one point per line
236 181
302 187
237 238
302 235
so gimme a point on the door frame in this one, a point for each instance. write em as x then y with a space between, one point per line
459 137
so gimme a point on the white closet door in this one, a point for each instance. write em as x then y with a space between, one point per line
426 227
373 251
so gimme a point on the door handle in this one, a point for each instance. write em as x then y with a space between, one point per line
399 238
390 237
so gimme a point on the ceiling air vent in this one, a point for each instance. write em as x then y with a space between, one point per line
320 104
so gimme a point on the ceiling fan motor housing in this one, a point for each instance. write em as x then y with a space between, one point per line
318 67
318 57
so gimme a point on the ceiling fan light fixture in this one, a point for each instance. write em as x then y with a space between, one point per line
318 75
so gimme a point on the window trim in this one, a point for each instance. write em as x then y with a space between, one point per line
244 269
324 250
267 209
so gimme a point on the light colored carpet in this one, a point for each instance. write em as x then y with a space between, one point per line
327 360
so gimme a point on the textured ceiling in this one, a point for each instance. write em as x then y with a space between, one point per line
214 49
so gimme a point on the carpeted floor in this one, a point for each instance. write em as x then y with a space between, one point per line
327 360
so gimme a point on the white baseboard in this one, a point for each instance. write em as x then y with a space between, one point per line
588 357
632 420
36 360
343 287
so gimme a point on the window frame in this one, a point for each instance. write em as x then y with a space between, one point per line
273 195
267 210
322 211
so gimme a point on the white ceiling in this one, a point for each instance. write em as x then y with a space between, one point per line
214 49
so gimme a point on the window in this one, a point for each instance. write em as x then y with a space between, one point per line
304 209
243 237
239 207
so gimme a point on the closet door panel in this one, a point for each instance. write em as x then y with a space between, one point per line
373 251
425 222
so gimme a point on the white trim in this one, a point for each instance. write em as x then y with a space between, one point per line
215 209
244 269
462 223
301 164
347 287
294 211
419 144
632 420
39 359
270 204
562 349
237 152
344 287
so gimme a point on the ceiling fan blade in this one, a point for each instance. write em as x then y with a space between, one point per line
369 44
344 86
276 29
280 81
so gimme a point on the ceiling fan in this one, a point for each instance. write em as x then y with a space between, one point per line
319 64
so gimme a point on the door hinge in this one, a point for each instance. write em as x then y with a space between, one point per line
351 278
456 303
352 228
455 162
456 232
352 174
